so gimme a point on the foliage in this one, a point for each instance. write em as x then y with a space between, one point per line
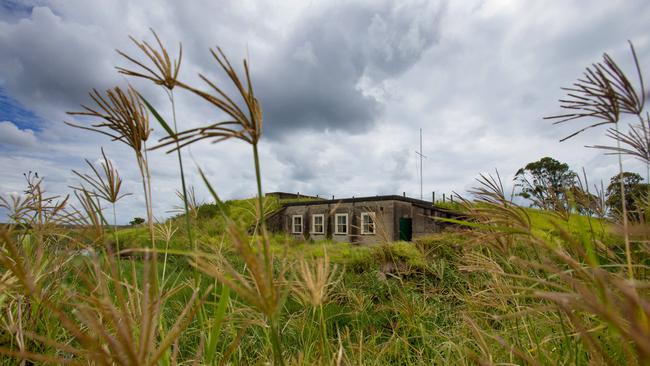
136 221
545 182
634 190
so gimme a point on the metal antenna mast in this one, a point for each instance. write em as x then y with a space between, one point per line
421 157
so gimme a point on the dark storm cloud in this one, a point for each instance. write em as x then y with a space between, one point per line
315 79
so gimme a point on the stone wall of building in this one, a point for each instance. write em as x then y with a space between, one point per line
383 211
387 212
423 222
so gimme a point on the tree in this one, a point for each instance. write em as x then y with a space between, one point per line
634 191
545 182
136 221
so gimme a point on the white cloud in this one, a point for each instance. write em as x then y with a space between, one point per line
11 135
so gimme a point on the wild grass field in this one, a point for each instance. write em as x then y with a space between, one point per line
563 283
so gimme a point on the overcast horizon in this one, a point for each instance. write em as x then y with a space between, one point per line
344 88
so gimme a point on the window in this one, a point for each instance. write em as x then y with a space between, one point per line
296 224
341 224
317 224
367 223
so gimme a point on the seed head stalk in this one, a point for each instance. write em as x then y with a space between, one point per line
646 159
276 342
323 331
184 187
626 234
149 202
117 240
146 187
262 219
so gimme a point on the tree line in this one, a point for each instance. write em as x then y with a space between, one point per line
550 184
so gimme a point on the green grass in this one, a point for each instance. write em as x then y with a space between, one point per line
391 316
209 226
543 220
400 303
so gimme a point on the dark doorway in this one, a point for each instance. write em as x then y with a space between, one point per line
405 229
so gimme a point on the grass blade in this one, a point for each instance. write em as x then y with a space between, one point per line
157 115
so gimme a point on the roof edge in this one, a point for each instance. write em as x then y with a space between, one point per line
422 203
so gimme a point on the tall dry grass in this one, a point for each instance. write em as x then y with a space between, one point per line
603 96
79 309
122 116
594 291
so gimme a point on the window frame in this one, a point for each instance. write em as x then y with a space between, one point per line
336 224
293 224
373 223
313 224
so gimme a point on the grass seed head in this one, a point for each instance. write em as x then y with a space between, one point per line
260 286
602 94
243 122
315 279
106 184
122 116
163 72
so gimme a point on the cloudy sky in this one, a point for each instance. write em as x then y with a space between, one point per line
344 86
